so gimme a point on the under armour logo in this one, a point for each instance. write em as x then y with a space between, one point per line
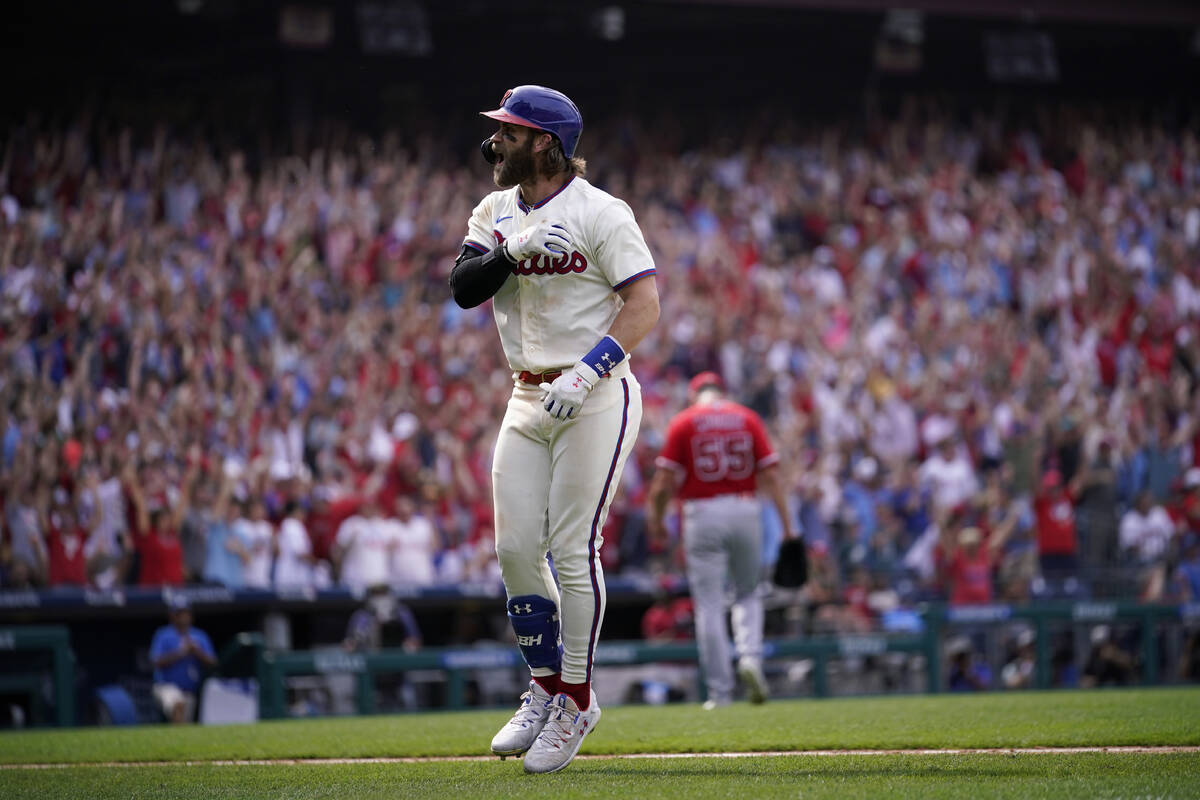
608 360
517 608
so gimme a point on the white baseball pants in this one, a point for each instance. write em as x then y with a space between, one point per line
552 484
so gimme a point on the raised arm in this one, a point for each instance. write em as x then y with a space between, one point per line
129 480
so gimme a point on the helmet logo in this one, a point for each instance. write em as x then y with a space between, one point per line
504 99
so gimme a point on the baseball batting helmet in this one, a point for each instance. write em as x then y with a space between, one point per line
544 109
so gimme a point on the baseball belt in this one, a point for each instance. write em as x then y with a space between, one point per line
538 378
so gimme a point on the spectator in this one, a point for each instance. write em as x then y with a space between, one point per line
363 550
1107 663
1018 672
858 616
1054 509
325 517
179 653
950 280
1187 573
669 618
1146 531
1162 452
414 548
26 534
67 560
966 673
225 555
1189 504
949 475
364 632
295 567
193 531
1097 510
970 562
861 493
257 538
109 548
156 534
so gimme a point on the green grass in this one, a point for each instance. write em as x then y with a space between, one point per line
1090 775
1125 717
1098 718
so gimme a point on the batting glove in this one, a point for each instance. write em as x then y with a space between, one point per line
565 396
545 238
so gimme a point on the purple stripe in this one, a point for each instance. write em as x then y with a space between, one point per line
595 525
527 209
633 278
473 246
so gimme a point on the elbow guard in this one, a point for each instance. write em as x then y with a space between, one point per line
477 276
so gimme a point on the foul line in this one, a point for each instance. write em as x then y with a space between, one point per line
957 751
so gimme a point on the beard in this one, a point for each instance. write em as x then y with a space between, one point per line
517 167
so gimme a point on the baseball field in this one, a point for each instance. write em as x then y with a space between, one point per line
1114 743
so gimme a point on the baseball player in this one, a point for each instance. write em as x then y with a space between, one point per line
573 290
716 455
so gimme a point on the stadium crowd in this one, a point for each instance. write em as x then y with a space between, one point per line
976 344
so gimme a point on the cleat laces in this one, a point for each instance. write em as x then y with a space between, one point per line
527 714
561 727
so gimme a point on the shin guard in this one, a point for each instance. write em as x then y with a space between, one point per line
535 622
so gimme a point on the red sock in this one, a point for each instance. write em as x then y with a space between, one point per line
581 693
548 682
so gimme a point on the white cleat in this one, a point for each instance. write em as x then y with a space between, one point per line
518 733
750 671
559 741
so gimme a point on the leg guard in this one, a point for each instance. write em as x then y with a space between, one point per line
535 622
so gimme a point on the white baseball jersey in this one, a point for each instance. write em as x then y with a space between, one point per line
556 310
256 538
291 568
369 544
412 560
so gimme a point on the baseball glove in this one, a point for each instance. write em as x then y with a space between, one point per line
791 567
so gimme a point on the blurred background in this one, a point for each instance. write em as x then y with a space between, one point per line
950 252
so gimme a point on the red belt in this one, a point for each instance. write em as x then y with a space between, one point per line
538 378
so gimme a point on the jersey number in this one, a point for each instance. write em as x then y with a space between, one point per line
723 456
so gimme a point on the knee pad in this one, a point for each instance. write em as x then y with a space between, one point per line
535 622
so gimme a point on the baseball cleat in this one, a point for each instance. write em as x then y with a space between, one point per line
560 739
750 671
518 733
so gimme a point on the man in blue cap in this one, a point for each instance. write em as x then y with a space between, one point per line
179 652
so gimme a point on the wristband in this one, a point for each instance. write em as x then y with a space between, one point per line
601 359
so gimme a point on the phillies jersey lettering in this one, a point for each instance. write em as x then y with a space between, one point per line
718 449
544 265
552 311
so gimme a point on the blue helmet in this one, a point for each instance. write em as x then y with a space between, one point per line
543 109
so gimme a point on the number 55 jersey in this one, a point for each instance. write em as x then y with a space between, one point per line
717 449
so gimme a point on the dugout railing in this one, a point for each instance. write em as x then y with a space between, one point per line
1159 629
458 663
939 623
37 663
